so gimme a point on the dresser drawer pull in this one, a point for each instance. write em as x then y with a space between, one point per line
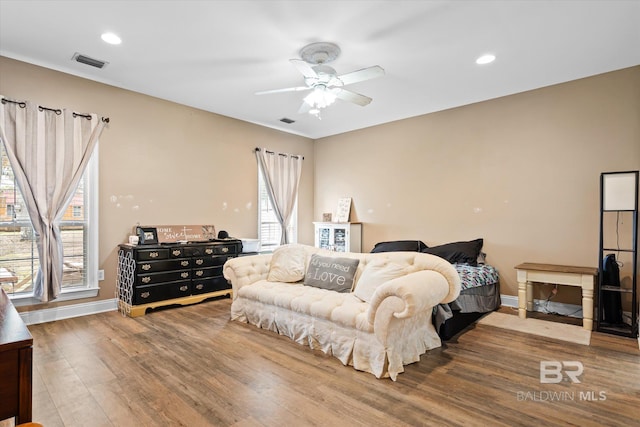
199 273
225 250
146 279
208 251
146 267
145 294
184 263
184 275
199 286
154 254
176 252
184 288
199 261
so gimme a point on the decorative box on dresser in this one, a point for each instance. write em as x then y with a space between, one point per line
339 236
152 276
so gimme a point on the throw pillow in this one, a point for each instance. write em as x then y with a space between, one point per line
399 246
375 274
287 264
458 252
332 273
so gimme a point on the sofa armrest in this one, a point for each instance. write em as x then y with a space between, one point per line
245 270
416 292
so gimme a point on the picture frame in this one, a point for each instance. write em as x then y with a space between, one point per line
147 235
344 209
326 217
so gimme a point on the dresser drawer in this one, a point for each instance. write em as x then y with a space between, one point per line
168 276
178 252
224 250
164 291
152 254
209 261
201 251
200 273
155 266
211 284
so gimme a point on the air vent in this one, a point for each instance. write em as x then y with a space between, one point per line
84 59
287 121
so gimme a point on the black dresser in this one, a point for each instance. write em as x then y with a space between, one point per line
152 276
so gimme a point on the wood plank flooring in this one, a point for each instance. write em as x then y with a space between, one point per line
192 366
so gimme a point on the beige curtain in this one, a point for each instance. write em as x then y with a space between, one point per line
48 151
281 174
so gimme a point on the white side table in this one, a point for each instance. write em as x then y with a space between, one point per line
529 273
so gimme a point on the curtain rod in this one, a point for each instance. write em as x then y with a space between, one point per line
281 154
23 104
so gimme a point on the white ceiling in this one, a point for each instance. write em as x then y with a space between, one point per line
214 55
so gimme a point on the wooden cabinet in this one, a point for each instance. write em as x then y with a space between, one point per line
16 356
172 273
339 236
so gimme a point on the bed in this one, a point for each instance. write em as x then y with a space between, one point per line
480 292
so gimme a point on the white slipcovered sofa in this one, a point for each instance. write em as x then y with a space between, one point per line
379 324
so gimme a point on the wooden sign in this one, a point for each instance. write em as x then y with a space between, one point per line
189 233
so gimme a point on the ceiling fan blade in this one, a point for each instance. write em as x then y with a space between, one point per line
288 89
347 95
361 75
305 68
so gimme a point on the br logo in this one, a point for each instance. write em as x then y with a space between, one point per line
553 371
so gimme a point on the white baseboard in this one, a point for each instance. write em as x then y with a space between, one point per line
571 310
68 311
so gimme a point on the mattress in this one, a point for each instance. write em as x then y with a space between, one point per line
480 293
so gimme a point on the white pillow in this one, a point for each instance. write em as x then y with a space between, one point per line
375 274
287 264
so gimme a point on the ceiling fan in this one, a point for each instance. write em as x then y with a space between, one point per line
324 82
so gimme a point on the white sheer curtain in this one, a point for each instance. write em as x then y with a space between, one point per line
281 174
48 151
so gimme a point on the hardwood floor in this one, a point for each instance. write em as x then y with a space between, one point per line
192 366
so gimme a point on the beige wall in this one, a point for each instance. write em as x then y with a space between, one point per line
520 171
164 163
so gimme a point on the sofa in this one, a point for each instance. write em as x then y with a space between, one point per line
372 311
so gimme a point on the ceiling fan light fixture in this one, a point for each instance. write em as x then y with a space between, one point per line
320 98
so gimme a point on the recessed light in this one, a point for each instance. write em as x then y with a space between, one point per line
111 38
486 59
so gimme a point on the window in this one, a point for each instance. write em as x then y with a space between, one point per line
269 229
79 227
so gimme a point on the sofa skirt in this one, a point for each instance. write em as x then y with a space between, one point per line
406 339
